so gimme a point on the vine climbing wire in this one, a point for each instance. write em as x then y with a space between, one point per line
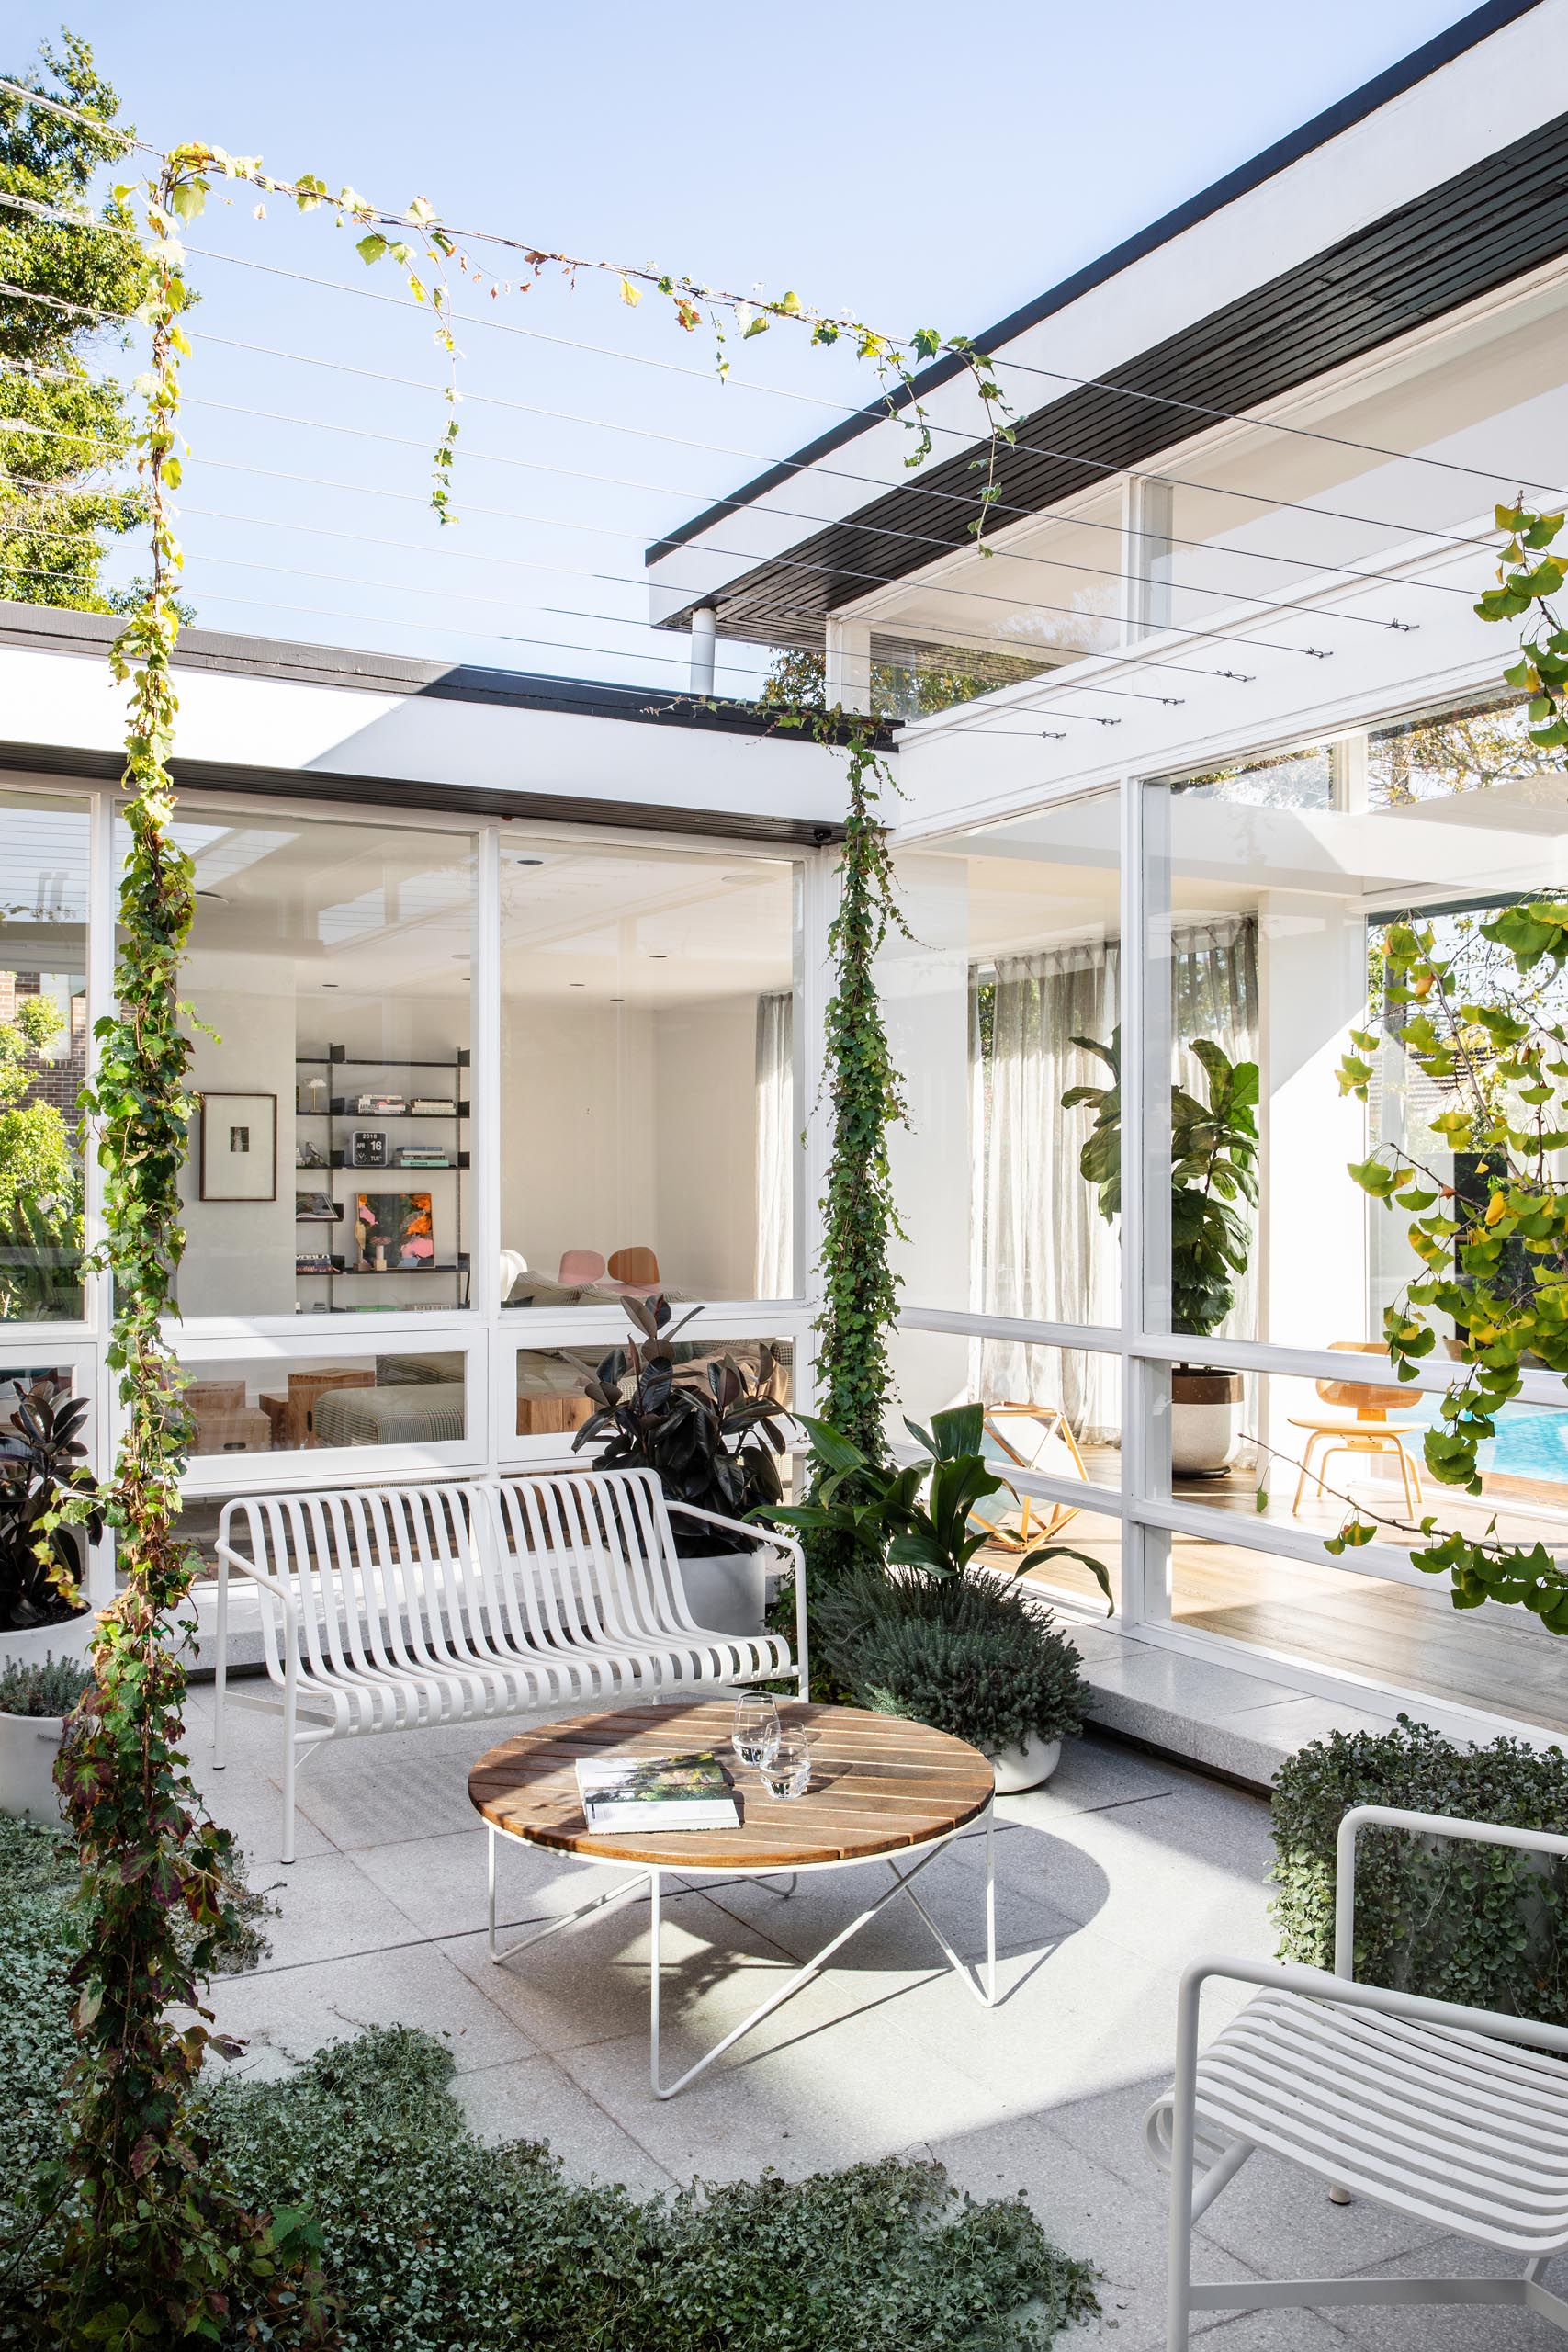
141 2237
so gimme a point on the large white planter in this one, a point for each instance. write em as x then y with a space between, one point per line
30 1645
1205 1423
728 1591
28 1746
1028 1767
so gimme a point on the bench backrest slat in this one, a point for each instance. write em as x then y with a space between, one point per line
418 1579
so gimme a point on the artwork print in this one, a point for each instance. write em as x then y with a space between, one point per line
394 1231
239 1147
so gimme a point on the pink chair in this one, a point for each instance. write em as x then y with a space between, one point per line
579 1267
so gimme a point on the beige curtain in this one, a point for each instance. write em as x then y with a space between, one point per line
775 1155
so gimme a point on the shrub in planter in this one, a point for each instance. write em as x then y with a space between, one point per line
967 1654
42 1458
35 1699
1458 1922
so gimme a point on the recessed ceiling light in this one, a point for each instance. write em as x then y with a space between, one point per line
617 999
329 984
530 861
658 955
576 984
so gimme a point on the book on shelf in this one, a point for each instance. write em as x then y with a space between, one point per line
433 1106
646 1792
386 1104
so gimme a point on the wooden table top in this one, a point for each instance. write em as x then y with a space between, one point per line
877 1784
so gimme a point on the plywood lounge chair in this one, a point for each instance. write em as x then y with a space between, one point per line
1362 1426
579 1267
636 1269
1038 1438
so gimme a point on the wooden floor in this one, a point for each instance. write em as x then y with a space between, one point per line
1410 1636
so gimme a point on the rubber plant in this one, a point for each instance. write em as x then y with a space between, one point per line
1492 1041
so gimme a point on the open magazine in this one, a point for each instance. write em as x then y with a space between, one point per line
658 1792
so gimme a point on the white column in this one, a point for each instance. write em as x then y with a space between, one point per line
848 648
704 645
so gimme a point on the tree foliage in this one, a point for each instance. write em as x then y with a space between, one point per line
63 431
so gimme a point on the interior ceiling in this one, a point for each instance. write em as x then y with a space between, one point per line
363 912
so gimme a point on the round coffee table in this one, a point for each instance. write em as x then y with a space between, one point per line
881 1790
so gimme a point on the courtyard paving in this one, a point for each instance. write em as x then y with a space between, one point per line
1108 1881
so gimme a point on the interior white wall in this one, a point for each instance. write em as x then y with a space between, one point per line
705 1146
576 1128
240 1254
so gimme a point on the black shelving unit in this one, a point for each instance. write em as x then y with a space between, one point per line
335 1114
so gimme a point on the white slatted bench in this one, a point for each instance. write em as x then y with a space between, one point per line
390 1607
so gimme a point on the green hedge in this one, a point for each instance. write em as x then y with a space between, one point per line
1458 1922
438 2243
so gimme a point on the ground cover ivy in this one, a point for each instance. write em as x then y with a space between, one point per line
434 2241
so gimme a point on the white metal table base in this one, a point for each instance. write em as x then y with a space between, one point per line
982 1986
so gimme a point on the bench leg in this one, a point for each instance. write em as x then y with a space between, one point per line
288 1792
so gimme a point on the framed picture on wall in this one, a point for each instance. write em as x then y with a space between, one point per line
239 1147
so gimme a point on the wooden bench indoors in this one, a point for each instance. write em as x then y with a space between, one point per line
391 1608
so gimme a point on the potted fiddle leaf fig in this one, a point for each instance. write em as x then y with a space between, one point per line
1213 1184
713 1434
42 1459
912 1626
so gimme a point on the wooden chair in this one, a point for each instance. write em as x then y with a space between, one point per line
1364 1428
1038 1438
635 1269
1453 2117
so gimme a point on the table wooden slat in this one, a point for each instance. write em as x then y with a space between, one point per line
877 1784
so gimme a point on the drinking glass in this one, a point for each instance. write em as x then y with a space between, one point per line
786 1768
756 1732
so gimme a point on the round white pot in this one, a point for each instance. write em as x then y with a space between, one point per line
727 1592
28 1746
1205 1423
1028 1767
30 1645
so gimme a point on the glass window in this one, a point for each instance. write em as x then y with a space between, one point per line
1407 1634
552 1399
284 1405
1055 1411
1049 592
652 1096
1268 930
43 1055
1250 511
330 972
1001 1006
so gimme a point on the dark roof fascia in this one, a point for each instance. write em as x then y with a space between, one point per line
1405 75
1491 224
392 794
53 630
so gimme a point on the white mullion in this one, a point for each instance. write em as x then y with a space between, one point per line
1143 1556
1096 1339
484 1129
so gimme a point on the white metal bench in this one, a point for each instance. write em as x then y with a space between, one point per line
1456 2117
390 1607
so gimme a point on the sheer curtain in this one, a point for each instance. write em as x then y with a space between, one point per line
776 1159
1040 1246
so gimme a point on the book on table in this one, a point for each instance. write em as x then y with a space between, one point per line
647 1792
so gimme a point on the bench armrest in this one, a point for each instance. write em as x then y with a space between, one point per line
1421 1824
228 1558
776 1540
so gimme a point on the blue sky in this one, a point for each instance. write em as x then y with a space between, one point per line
851 152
